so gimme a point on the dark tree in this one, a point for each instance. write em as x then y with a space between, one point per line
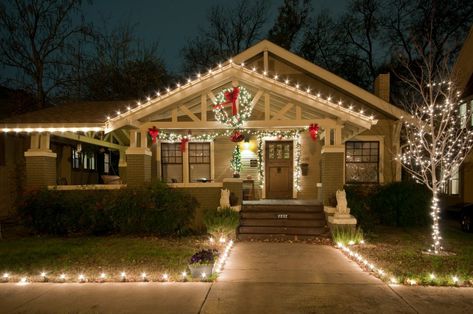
35 37
230 30
123 67
292 17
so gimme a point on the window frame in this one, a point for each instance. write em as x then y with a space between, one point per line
171 163
378 162
189 163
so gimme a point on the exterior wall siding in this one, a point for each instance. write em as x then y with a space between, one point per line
310 154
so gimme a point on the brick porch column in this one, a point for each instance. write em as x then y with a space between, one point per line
40 163
333 164
138 161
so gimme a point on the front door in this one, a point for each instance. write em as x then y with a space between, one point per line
279 169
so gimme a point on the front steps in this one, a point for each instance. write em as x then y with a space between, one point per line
282 220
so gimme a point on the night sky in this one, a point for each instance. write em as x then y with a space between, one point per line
171 23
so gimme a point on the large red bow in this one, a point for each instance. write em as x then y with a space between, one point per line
313 130
231 97
154 132
184 141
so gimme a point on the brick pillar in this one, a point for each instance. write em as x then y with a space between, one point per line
235 186
138 170
40 163
333 171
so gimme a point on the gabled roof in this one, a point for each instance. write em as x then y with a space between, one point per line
322 74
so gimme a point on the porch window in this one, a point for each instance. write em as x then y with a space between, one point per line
362 162
106 163
88 161
75 159
171 162
464 115
199 162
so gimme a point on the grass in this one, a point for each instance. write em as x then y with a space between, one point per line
399 252
93 255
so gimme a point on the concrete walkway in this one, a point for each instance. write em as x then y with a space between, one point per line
258 278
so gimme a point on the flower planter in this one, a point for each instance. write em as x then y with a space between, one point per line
198 269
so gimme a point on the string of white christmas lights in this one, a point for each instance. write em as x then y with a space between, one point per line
124 277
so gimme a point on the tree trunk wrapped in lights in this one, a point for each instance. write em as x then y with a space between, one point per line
438 133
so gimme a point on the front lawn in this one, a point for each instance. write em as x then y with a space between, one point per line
94 255
399 252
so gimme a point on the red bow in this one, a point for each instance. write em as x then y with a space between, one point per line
237 137
154 132
313 130
184 141
231 97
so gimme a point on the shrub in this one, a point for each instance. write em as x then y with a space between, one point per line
155 209
402 204
358 199
347 235
221 222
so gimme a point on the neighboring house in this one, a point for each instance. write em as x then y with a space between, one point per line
76 144
460 187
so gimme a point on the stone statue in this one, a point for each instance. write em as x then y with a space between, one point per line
342 208
225 198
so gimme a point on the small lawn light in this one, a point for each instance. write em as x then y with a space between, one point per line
62 277
103 277
455 279
44 276
123 276
393 280
144 277
432 276
23 281
203 275
5 277
222 240
165 277
82 278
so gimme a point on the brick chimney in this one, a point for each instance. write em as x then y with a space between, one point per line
381 86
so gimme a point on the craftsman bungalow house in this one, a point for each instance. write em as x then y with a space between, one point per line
303 133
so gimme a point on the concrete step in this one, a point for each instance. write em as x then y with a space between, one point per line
283 237
283 208
277 215
282 222
281 230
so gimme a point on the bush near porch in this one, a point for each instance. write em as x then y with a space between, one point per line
154 209
401 204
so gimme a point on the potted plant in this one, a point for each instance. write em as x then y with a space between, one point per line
202 262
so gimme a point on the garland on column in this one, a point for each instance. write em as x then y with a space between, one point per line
236 160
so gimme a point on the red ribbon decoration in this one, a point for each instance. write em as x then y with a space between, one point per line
231 97
184 141
154 132
313 130
237 137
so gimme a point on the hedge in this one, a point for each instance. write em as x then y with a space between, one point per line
154 209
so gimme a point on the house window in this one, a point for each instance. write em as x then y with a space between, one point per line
199 162
464 114
453 185
106 163
362 162
171 162
75 159
88 161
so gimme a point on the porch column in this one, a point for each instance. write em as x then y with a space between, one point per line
138 159
40 162
122 166
333 165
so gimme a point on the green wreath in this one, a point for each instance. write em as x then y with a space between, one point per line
227 97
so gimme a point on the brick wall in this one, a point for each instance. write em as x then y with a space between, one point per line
40 171
138 169
332 174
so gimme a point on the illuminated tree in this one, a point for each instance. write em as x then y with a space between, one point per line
438 131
